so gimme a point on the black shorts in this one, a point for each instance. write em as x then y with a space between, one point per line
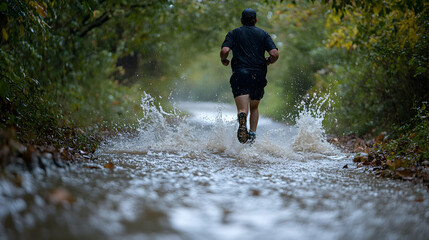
244 81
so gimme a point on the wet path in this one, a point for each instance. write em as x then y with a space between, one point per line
193 180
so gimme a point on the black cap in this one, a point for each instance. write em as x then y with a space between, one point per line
248 13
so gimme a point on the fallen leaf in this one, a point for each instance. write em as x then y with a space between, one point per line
398 163
60 196
256 192
18 180
380 138
376 162
405 174
425 175
362 157
92 166
109 165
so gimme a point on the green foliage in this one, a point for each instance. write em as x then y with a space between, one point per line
409 142
58 63
385 69
379 7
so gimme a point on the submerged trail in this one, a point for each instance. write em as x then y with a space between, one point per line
189 178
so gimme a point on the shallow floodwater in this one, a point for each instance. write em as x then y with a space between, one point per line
189 178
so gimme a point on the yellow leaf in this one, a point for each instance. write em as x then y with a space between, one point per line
372 40
412 35
348 45
41 10
21 30
355 31
5 36
377 8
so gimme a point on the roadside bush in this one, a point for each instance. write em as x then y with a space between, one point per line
385 67
410 142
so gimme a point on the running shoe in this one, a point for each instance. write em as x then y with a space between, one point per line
242 134
251 137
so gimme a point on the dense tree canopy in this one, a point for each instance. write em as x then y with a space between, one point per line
75 63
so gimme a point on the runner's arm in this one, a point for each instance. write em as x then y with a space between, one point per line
224 52
274 55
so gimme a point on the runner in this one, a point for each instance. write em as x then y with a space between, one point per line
249 69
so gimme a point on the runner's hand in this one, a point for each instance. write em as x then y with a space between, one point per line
225 62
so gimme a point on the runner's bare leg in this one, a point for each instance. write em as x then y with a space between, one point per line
254 114
242 103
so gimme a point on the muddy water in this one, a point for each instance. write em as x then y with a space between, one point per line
191 179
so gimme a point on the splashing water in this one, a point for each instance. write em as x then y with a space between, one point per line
311 135
188 177
153 124
213 133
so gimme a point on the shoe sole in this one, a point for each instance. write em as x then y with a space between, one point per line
242 134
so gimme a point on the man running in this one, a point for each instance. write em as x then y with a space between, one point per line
249 69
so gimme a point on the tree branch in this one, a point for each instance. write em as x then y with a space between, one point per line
106 16
96 23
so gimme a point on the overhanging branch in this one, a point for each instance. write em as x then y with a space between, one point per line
96 23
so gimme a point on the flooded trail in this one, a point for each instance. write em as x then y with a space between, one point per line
191 179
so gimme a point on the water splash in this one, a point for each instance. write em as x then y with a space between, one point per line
311 135
153 124
214 133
